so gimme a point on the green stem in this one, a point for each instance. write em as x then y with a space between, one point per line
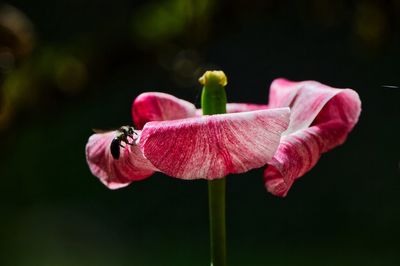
213 101
216 205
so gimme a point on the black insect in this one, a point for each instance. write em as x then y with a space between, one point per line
124 133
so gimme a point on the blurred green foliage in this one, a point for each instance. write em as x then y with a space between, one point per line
156 22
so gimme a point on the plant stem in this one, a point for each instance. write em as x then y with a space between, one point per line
216 204
213 101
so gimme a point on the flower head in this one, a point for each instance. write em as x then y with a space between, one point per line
301 121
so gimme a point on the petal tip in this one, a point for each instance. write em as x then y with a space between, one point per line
113 173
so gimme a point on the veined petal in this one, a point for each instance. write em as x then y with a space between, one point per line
157 106
321 118
131 166
305 99
213 146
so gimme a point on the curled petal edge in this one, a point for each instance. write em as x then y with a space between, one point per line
113 173
334 114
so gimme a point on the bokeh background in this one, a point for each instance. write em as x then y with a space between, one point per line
68 66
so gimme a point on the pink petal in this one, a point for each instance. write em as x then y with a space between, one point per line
321 118
244 107
131 166
213 146
238 108
157 106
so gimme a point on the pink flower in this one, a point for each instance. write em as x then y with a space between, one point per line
301 121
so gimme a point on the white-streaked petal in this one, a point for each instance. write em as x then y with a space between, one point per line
321 119
214 146
116 173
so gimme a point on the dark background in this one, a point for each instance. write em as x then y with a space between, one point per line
72 65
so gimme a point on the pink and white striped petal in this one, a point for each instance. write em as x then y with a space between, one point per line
214 146
305 99
158 106
321 118
131 166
